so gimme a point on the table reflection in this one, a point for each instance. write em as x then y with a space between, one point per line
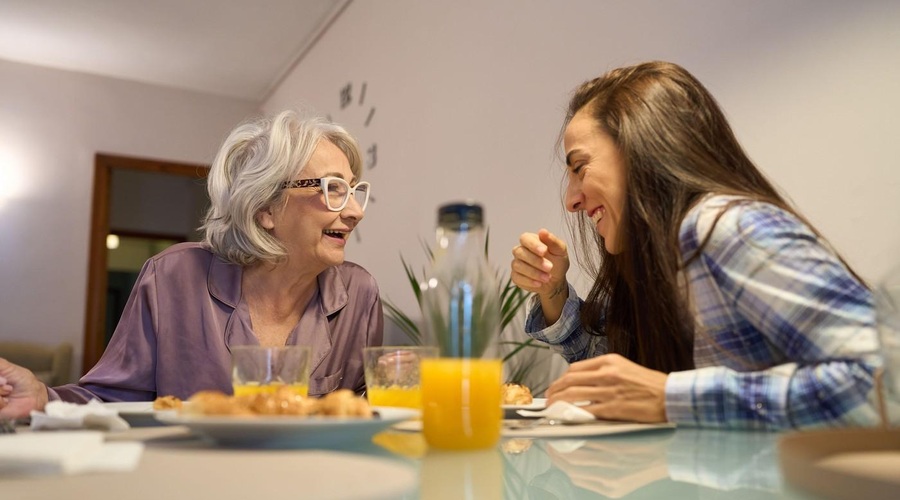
673 463
462 475
726 460
687 463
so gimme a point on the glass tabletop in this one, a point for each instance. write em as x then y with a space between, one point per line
681 463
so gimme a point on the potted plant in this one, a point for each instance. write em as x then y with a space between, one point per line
518 351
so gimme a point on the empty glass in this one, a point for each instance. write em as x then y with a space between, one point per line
887 303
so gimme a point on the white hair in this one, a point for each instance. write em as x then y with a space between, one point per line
246 177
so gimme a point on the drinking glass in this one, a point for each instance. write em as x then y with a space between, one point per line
887 305
392 374
263 370
461 402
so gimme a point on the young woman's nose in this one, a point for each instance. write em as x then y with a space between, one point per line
574 196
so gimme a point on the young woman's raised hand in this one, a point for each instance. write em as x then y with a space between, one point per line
540 262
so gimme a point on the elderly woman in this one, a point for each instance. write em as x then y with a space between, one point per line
285 196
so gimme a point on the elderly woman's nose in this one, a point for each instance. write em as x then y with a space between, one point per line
353 209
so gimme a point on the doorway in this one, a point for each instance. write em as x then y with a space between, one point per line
133 198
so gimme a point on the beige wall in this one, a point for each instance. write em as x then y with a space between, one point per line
51 125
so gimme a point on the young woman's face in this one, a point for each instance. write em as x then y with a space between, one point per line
596 178
311 232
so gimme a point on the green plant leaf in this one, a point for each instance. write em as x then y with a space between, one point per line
413 281
519 346
403 321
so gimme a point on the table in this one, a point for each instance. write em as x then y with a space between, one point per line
673 464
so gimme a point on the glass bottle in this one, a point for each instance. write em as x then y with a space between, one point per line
461 316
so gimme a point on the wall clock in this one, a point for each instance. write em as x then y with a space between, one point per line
357 116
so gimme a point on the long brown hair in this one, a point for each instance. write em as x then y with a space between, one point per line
677 147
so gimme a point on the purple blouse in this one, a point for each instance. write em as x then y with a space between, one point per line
185 312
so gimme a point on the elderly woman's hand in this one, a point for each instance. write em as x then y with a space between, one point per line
540 262
618 389
20 391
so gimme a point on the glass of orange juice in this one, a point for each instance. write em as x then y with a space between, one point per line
392 374
461 407
263 370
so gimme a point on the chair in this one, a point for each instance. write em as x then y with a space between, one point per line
52 365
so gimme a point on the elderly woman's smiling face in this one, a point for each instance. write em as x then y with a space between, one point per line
310 232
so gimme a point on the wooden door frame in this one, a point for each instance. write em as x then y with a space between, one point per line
95 308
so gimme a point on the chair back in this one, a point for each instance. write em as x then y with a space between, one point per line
52 365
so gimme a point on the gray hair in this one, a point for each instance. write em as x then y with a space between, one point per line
246 177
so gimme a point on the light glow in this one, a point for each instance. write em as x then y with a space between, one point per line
112 241
12 180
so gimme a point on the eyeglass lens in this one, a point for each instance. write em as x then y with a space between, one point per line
338 191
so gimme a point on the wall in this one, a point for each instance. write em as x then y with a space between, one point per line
51 125
469 98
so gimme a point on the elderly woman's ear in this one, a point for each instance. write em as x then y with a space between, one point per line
265 218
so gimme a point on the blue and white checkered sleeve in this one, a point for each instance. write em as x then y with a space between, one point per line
817 319
566 336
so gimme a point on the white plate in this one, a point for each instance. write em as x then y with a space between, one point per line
536 404
136 413
131 407
289 432
598 428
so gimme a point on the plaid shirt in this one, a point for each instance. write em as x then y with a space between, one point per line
785 335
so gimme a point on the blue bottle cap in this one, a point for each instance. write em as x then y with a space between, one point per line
458 213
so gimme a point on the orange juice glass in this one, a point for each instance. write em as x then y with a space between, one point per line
263 370
461 407
252 389
393 395
392 374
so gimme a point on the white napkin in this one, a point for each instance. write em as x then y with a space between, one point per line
63 415
566 445
562 411
31 453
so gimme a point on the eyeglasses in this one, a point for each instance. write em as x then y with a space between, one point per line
337 190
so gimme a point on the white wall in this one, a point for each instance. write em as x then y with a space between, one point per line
469 99
51 125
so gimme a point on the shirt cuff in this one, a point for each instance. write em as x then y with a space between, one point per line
680 407
536 324
52 395
719 397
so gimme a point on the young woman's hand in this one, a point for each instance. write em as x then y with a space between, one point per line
20 391
540 262
618 389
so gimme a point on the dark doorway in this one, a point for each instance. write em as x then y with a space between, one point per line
127 251
138 199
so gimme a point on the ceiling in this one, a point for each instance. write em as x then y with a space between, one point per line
234 48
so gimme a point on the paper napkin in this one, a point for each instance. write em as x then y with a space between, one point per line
561 411
63 415
65 452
